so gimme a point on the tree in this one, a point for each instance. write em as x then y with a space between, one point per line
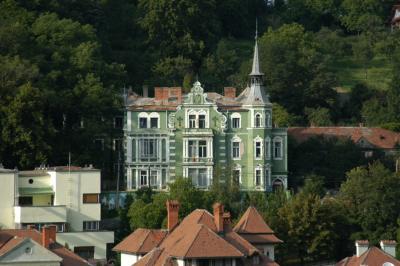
312 227
281 117
297 76
314 184
318 116
26 129
372 201
188 195
363 51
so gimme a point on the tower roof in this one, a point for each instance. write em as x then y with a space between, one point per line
252 223
255 70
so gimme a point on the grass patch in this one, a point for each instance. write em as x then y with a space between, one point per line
350 72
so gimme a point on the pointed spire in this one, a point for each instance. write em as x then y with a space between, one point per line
255 70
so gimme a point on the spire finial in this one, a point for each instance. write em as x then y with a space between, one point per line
256 28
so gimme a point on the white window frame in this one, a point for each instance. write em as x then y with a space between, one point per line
90 225
267 119
267 148
196 113
238 140
278 140
142 149
267 175
153 115
238 168
236 116
258 168
255 120
143 115
260 141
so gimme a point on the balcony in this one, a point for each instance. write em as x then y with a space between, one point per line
40 214
198 160
204 132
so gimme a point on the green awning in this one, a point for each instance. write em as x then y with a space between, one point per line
28 191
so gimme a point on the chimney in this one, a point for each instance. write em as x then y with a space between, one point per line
48 235
230 92
226 217
159 93
361 247
173 213
218 219
145 91
389 246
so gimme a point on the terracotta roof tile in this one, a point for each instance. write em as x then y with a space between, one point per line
261 238
141 241
241 244
251 222
10 245
373 256
378 137
69 257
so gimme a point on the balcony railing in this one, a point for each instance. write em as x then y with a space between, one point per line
197 160
197 132
40 214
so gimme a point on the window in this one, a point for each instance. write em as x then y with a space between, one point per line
236 176
267 148
278 148
148 149
202 121
202 149
236 122
118 122
143 122
90 225
267 176
84 252
258 149
257 120
197 149
25 201
236 149
267 120
154 122
256 260
99 144
143 178
153 178
117 144
192 121
192 148
198 176
90 198
258 177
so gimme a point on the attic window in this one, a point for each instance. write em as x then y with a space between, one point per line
28 250
382 137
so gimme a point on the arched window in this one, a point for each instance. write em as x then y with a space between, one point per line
236 143
258 148
258 176
268 148
278 148
143 117
154 120
257 120
235 120
237 174
267 120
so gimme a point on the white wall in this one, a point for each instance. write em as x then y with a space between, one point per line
7 194
97 239
128 259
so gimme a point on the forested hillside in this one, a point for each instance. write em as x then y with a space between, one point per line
64 62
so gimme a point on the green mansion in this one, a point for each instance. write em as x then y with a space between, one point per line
192 135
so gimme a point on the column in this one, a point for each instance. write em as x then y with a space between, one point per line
129 150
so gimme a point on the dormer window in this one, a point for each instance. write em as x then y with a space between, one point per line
257 120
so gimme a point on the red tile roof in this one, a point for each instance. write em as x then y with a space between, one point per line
196 237
378 137
141 241
10 245
69 257
252 223
373 256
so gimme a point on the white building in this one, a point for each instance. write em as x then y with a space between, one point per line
67 197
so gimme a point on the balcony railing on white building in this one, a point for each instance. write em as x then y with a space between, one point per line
40 214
